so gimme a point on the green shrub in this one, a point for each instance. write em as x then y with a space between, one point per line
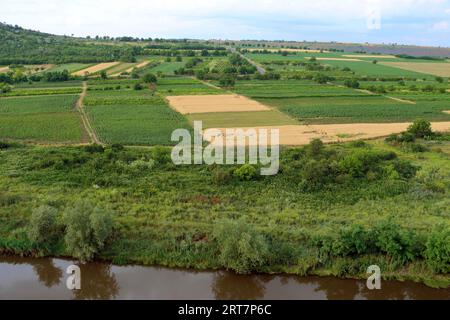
42 227
315 174
94 148
437 252
161 155
246 172
241 248
149 78
396 242
138 86
4 145
221 177
87 229
352 83
421 129
354 240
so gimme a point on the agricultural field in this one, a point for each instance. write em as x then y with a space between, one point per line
291 89
436 69
176 86
242 119
132 117
70 67
367 109
92 70
41 119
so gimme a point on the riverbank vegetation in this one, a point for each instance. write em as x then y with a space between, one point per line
332 210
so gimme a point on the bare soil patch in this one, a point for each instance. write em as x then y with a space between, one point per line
96 68
4 69
433 68
297 135
214 103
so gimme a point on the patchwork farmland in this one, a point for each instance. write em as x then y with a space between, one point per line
364 153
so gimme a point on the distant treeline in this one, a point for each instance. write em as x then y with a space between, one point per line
406 56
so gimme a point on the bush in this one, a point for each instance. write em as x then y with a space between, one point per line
42 227
421 129
246 172
149 78
221 177
396 242
315 174
87 229
161 155
138 87
354 240
4 145
352 83
94 148
241 248
437 252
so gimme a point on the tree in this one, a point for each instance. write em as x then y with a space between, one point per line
440 79
43 226
87 229
103 75
227 81
421 129
352 83
241 248
375 61
149 78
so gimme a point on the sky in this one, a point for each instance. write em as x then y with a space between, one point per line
419 22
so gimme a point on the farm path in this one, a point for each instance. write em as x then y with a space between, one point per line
84 118
261 70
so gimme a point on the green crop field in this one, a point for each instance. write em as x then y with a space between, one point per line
132 117
167 68
42 119
71 67
370 109
291 89
184 86
242 119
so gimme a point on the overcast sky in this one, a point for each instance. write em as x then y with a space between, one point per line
422 22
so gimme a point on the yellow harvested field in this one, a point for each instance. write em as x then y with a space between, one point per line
214 103
369 56
4 69
95 68
298 135
433 68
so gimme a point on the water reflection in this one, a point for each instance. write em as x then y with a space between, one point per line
229 286
26 278
97 282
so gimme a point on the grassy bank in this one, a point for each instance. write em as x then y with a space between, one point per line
331 210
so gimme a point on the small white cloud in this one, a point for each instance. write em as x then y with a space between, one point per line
441 26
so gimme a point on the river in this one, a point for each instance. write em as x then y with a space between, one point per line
29 278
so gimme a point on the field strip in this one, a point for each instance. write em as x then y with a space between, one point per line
129 70
84 117
433 68
4 69
446 111
369 56
214 103
298 135
95 68
289 50
206 83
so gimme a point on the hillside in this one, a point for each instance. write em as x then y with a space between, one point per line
21 46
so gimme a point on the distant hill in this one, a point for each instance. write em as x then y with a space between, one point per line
21 46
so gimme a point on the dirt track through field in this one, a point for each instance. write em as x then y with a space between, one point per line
95 68
298 135
84 118
214 103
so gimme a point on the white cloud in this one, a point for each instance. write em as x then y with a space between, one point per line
301 19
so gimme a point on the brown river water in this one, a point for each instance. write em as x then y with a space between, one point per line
28 278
